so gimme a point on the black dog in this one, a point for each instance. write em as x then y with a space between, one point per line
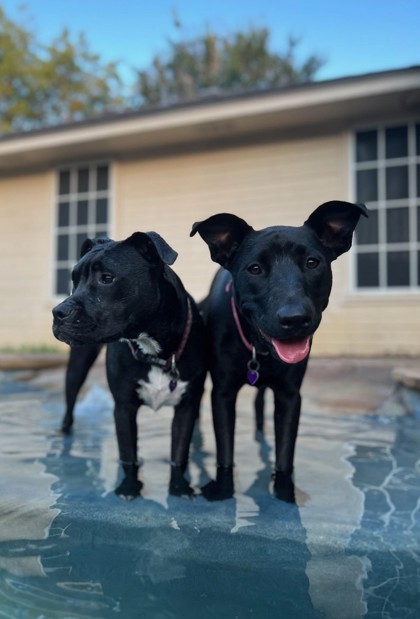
261 314
125 295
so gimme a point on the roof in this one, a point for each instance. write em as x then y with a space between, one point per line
310 108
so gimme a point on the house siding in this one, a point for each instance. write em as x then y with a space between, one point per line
266 184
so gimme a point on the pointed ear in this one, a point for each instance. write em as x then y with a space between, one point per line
88 244
152 247
223 233
334 223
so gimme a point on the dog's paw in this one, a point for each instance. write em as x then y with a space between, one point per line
129 489
179 486
284 488
220 489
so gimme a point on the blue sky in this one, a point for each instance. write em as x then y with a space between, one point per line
353 37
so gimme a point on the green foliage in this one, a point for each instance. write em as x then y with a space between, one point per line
210 64
57 83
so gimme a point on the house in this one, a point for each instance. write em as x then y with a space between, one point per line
270 157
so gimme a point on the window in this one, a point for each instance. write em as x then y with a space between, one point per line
387 180
82 211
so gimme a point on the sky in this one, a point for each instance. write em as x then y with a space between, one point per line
353 37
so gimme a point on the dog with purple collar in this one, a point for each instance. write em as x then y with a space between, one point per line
262 311
126 295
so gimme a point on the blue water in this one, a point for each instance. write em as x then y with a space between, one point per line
70 548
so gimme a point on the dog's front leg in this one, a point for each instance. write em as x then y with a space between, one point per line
126 429
224 413
287 407
185 416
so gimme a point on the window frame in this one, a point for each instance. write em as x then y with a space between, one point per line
74 195
382 205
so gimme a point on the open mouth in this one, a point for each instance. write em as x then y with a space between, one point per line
290 351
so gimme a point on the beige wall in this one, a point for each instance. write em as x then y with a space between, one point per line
265 184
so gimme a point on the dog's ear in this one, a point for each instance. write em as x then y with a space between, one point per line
152 247
88 244
334 223
223 233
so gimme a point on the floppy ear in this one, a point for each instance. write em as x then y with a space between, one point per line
89 243
334 223
223 233
152 247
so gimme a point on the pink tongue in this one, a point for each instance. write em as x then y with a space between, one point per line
292 351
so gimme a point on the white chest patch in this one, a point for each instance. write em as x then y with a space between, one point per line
155 390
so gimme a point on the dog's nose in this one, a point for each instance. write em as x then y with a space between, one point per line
294 317
64 310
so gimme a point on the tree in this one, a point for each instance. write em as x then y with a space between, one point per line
49 84
211 64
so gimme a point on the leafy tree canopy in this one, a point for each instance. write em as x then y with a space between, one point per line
49 84
211 64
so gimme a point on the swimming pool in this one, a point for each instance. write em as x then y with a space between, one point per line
70 548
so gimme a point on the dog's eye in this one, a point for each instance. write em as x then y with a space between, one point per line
106 278
254 269
312 263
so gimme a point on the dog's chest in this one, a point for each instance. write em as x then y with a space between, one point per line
155 390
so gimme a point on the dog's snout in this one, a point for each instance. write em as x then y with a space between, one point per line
294 317
64 311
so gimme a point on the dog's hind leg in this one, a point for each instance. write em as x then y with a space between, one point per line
80 361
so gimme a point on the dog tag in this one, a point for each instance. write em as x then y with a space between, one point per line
172 385
253 367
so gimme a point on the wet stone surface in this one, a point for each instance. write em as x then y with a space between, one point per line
70 548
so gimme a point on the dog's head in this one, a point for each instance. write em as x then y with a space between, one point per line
115 289
282 275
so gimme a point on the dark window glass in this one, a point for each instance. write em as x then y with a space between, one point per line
397 182
63 214
62 247
101 211
418 268
367 185
367 229
418 139
418 224
101 232
83 180
64 182
418 181
397 226
82 212
396 142
366 146
80 238
398 264
102 178
368 270
63 281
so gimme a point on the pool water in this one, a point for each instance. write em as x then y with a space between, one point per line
70 548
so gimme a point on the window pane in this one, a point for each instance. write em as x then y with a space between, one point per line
62 285
418 268
102 178
62 247
366 146
418 139
397 182
418 181
101 233
396 142
397 228
367 229
102 211
83 180
82 212
418 224
63 214
368 270
398 263
367 185
64 182
80 238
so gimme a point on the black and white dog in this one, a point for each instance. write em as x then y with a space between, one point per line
261 313
126 295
